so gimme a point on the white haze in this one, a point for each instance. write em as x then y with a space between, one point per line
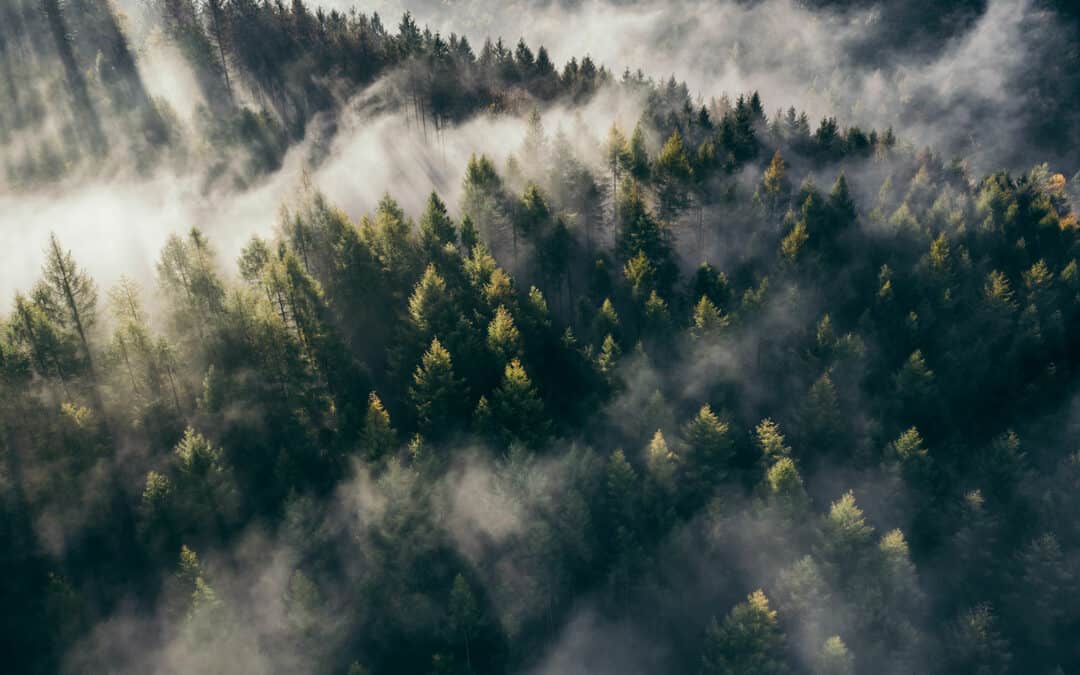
117 226
791 55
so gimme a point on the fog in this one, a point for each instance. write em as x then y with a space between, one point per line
795 56
116 223
974 79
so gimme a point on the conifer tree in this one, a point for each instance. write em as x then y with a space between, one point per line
503 337
379 437
784 487
845 535
430 307
436 227
436 393
464 614
834 658
74 295
517 408
770 441
748 641
617 156
672 175
709 449
707 319
975 644
661 461
639 164
775 186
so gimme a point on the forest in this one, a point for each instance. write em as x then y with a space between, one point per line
722 386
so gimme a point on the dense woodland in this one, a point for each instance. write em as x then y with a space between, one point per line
727 391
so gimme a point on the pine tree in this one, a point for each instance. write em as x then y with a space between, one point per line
617 155
770 441
776 187
430 306
845 535
206 619
794 243
748 641
606 321
834 658
656 318
784 488
436 227
673 175
975 645
205 488
380 438
517 408
217 15
503 337
72 289
639 165
707 319
608 357
641 236
391 238
483 201
469 235
51 354
661 462
186 271
436 393
914 459
841 207
709 449
819 416
623 511
916 391
1044 589
464 614
535 147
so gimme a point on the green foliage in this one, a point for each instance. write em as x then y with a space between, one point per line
748 641
661 462
845 532
517 409
709 449
770 441
776 187
436 227
464 613
645 242
380 439
436 392
608 356
975 645
707 318
430 306
897 343
638 161
673 175
503 337
616 154
784 486
794 242
834 658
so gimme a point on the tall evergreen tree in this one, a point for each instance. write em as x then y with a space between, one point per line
748 641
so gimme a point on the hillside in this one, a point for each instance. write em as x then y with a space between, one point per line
333 343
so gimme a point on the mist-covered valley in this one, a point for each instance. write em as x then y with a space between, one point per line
539 337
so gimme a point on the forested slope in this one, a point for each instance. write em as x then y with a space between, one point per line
718 391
